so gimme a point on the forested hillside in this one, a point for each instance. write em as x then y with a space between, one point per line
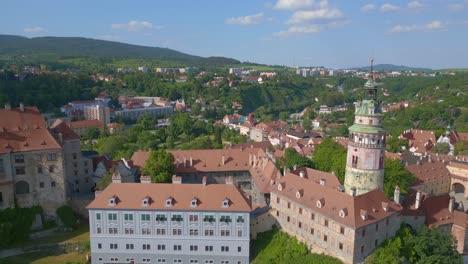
48 49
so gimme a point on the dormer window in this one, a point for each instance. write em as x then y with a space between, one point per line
299 193
113 200
320 203
343 212
385 206
146 201
169 202
225 203
280 186
364 215
194 202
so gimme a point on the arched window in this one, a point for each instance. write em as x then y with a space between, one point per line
22 187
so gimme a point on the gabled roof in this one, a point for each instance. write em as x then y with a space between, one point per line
210 197
429 171
24 131
332 200
60 127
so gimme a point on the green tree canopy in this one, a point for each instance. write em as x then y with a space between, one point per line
160 166
330 156
425 246
441 148
396 174
292 158
395 144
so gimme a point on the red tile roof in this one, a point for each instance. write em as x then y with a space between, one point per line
209 197
24 131
429 172
60 127
333 201
437 210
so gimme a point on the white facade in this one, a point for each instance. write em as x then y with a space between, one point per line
151 236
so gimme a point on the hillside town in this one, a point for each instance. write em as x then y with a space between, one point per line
217 201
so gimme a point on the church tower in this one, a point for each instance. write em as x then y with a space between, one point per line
366 143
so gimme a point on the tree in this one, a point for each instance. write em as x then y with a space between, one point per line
396 174
284 116
92 133
396 145
441 148
160 166
292 158
307 124
424 246
330 156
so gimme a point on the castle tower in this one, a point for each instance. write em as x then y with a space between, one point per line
366 143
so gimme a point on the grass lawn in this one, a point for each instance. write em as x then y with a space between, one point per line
79 235
46 258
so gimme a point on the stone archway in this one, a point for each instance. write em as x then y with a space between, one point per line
458 188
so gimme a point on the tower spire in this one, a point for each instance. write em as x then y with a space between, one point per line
372 68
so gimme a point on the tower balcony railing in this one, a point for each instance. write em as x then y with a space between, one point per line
363 145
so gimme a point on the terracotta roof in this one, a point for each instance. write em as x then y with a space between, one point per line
333 201
86 123
24 131
437 210
209 197
60 127
262 169
394 156
263 145
429 172
420 140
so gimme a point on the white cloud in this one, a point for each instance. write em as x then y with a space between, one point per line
433 25
389 8
34 29
415 5
293 4
245 20
456 7
297 30
108 37
134 25
309 29
319 14
367 8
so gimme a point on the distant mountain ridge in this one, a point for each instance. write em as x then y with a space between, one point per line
390 67
68 47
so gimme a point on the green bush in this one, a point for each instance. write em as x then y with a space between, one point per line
67 216
15 224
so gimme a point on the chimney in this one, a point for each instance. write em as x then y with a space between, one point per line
396 195
176 179
145 179
191 161
451 204
177 163
204 179
229 180
250 159
185 162
116 178
429 159
7 106
353 191
295 167
302 174
222 160
323 182
418 200
21 107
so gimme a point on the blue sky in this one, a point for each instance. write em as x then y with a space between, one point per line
339 34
